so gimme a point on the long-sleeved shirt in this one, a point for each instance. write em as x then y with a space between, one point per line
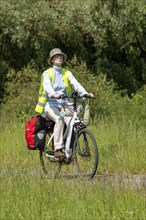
59 86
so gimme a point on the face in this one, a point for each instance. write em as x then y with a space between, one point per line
57 59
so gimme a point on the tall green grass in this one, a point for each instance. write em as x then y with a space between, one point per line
122 145
26 193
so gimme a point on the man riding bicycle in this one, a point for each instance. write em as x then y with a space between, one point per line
57 81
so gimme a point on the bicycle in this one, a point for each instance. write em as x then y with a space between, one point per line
80 146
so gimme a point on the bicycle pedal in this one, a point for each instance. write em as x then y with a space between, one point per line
49 153
52 158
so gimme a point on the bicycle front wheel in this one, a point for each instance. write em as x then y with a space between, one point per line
86 154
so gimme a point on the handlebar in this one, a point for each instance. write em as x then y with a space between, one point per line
75 95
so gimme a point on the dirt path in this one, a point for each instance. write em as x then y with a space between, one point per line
134 181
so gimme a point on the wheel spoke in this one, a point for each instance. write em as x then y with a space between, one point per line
50 167
86 154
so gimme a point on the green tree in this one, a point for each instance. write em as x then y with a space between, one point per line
108 35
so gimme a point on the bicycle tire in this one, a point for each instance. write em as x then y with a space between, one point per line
86 154
50 167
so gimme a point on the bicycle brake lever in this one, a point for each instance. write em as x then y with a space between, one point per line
63 96
74 94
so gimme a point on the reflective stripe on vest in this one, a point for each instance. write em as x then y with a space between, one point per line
41 103
43 95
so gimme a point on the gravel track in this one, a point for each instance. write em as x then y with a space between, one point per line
129 180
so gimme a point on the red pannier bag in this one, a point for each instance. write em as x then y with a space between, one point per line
35 133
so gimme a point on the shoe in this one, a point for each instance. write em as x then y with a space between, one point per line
67 161
58 154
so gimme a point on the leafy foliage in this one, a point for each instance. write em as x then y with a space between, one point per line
21 92
107 37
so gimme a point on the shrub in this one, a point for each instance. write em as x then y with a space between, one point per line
21 93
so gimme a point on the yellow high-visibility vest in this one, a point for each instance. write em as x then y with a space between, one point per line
43 95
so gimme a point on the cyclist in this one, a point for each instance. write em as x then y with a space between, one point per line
55 82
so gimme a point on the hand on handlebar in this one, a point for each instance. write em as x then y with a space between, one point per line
89 95
56 95
74 95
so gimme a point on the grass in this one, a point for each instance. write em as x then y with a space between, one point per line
35 197
26 193
122 146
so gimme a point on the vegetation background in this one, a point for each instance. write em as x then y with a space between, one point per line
106 48
103 39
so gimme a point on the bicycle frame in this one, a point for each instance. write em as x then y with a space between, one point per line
69 130
74 120
67 135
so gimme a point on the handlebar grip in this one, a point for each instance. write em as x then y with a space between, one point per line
88 96
63 96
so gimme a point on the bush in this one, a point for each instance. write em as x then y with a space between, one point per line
21 93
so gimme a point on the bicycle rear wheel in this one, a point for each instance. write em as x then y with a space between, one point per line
86 154
50 166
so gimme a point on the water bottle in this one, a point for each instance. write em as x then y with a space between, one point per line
62 112
86 116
